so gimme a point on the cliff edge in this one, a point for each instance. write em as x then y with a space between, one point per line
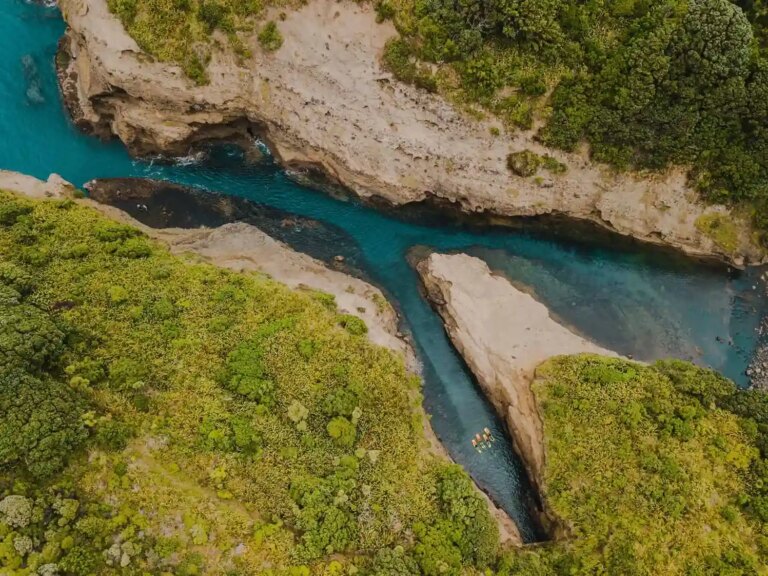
323 100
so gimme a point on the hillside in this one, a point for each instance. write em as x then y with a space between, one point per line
325 104
652 469
163 415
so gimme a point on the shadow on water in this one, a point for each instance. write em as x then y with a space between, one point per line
639 302
163 204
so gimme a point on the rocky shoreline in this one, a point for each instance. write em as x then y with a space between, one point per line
323 101
503 335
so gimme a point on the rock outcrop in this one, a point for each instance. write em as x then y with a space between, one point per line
503 334
323 100
30 186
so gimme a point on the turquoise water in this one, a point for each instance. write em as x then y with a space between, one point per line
637 302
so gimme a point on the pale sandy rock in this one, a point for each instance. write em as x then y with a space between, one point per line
503 334
54 187
323 99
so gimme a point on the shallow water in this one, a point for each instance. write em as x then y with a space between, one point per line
637 302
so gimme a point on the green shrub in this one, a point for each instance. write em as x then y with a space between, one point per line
481 75
212 14
113 435
384 11
12 210
195 69
524 163
16 278
40 424
133 248
29 340
342 431
108 231
353 324
398 59
246 375
269 37
532 85
117 295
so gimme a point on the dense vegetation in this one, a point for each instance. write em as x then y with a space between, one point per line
647 83
653 469
166 416
162 415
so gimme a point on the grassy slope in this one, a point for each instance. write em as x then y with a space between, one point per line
180 30
650 476
209 397
211 400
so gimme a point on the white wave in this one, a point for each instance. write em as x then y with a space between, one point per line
262 146
46 3
190 159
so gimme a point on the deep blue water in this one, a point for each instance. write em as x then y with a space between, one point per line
635 301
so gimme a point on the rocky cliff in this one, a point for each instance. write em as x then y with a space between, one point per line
503 335
322 100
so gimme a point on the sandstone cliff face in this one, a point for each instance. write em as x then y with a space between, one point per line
323 100
503 335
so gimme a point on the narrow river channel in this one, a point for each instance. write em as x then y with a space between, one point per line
635 301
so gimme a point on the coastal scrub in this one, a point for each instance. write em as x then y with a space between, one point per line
162 415
655 469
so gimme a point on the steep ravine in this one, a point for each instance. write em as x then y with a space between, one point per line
503 335
322 100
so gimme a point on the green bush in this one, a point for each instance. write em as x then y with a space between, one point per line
342 431
40 424
269 37
12 210
247 376
16 278
481 75
524 163
212 14
384 11
399 59
353 324
114 435
29 340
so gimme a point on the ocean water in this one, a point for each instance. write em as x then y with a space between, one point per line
635 301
